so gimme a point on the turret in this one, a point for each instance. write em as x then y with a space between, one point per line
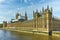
33 13
51 9
42 9
36 13
47 7
17 15
26 16
47 18
36 10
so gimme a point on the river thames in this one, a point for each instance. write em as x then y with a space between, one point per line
9 35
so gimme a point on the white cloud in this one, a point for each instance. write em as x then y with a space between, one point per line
2 0
55 4
25 1
42 1
2 19
5 1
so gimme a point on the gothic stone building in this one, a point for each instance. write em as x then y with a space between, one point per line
42 21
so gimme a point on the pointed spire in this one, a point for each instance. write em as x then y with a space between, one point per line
51 9
48 7
25 12
36 10
18 10
25 15
42 9
17 15
33 13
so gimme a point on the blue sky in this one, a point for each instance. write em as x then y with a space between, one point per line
8 8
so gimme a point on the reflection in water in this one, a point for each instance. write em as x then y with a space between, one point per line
8 35
50 38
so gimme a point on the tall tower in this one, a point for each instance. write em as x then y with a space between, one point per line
35 19
26 18
17 15
47 18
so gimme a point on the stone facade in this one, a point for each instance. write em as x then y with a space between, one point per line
42 21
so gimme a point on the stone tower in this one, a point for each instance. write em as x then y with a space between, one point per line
35 19
26 16
47 18
17 15
4 24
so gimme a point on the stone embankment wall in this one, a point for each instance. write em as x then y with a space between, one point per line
56 25
27 25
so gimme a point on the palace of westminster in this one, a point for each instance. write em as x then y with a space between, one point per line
42 21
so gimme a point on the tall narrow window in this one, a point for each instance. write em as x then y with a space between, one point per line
44 23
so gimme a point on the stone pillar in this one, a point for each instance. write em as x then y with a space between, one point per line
17 15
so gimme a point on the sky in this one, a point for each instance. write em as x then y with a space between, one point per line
9 8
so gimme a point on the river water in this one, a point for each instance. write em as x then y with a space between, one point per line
10 35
